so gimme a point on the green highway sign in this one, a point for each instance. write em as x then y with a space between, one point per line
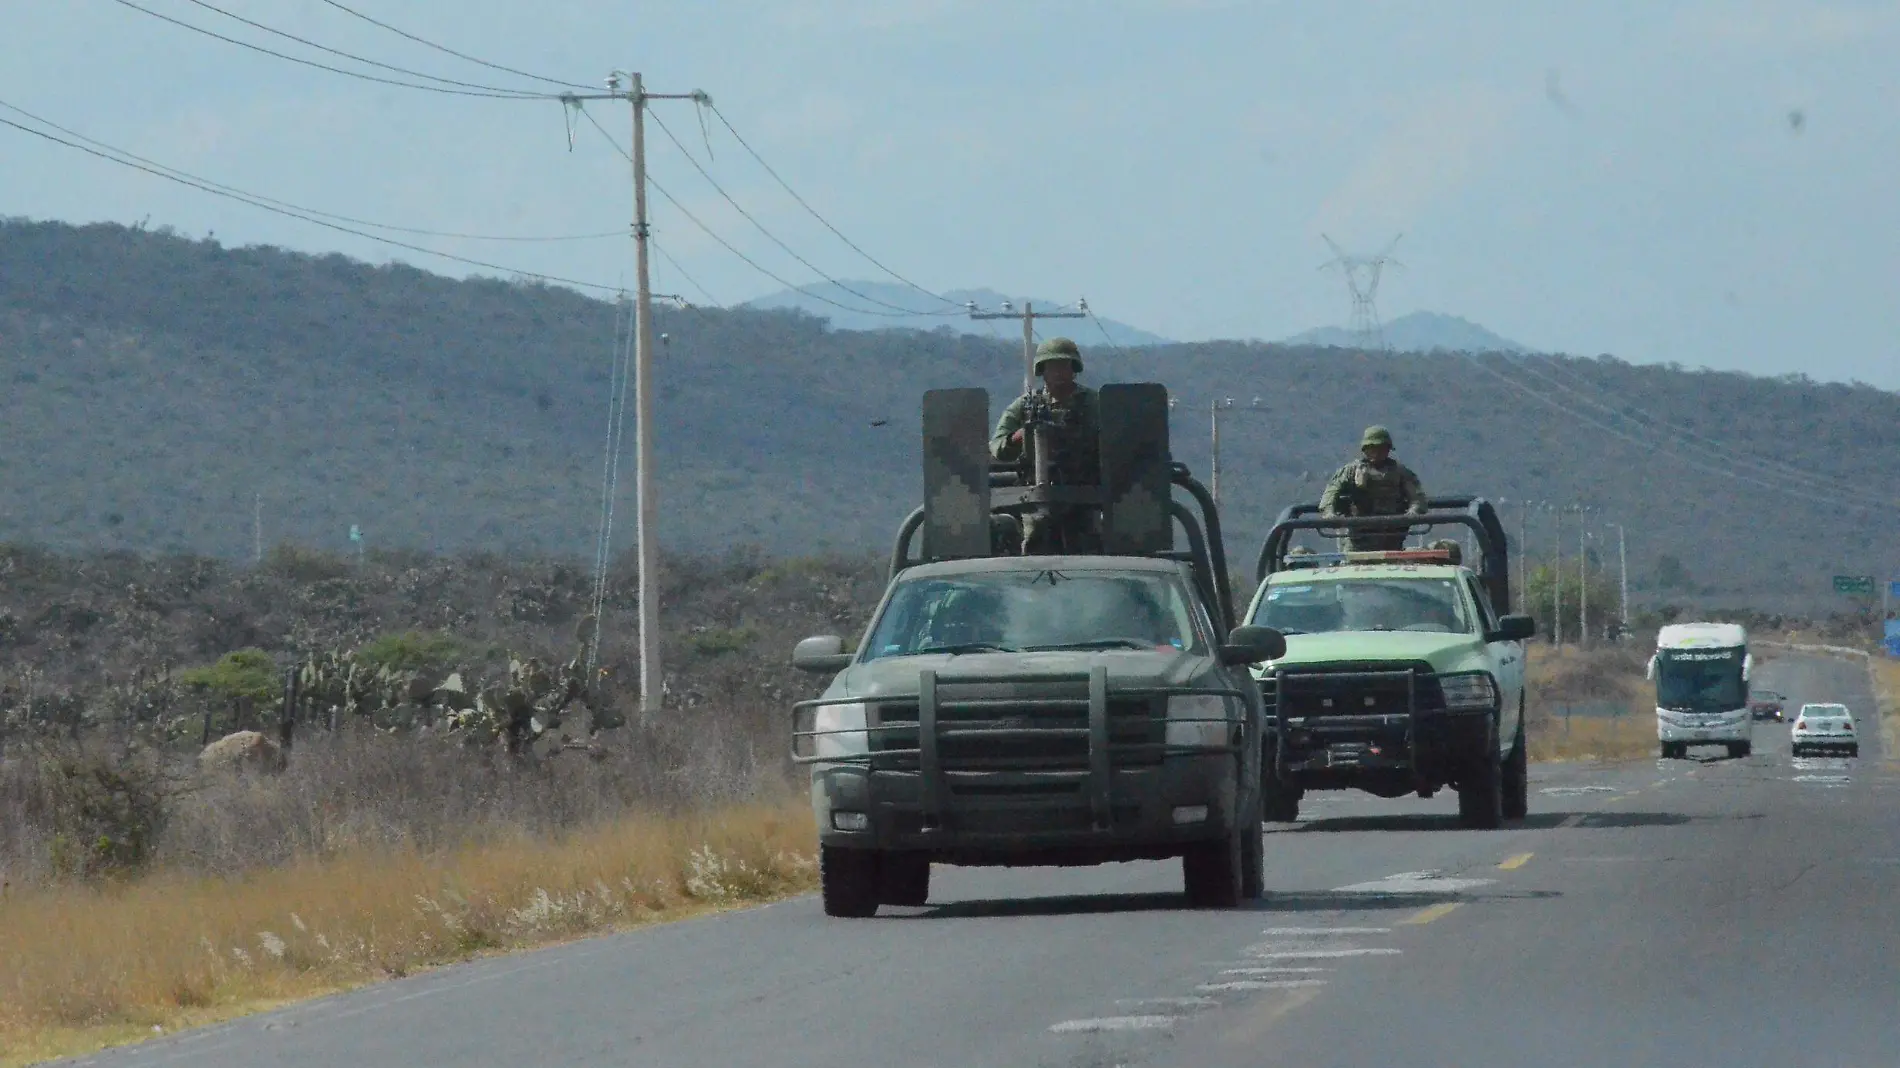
1854 584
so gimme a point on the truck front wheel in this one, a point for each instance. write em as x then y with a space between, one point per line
1211 872
1481 794
848 881
1517 778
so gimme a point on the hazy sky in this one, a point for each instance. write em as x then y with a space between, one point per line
1622 177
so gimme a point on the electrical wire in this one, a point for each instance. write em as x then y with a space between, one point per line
258 203
681 271
1104 330
450 51
449 90
1775 468
783 184
760 227
727 245
1716 468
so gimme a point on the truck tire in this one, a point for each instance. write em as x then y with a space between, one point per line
1517 778
1280 801
1674 751
848 881
1481 794
1253 863
1211 872
1738 750
904 879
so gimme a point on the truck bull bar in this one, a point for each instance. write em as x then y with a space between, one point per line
936 795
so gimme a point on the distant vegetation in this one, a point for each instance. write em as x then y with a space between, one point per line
156 386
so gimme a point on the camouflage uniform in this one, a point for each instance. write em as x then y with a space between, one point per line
1363 488
1075 455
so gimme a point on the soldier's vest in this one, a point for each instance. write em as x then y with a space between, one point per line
1378 492
1073 449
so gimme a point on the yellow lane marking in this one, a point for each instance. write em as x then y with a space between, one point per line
1516 862
1259 1023
1436 912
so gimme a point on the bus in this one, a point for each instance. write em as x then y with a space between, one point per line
1701 674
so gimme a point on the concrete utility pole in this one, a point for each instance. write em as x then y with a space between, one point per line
1557 574
646 510
1583 585
1623 581
1215 410
1523 556
1028 315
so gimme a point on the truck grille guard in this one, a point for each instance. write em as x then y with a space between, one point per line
1102 752
1281 690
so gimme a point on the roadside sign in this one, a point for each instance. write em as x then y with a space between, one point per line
1893 588
1893 637
1854 584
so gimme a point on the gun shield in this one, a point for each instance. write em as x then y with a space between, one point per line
1136 469
956 474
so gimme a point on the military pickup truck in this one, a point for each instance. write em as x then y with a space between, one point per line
1015 710
1403 671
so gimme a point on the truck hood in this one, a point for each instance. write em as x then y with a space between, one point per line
1445 652
1127 669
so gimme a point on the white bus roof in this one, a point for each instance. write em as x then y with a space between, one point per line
1702 636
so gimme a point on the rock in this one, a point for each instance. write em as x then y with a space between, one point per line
243 751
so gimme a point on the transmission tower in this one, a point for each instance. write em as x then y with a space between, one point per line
1362 281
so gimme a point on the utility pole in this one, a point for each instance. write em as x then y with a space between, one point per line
257 528
1523 556
646 512
1557 574
1623 581
1583 585
1028 315
1215 409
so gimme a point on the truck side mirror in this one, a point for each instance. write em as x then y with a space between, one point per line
1513 629
1252 645
821 655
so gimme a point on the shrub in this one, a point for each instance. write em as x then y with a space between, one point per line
248 674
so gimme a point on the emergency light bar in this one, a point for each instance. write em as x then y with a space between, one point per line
1373 556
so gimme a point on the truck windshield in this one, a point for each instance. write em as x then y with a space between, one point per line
1431 605
1020 611
1700 680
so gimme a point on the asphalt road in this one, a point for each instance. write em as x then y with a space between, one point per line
1699 912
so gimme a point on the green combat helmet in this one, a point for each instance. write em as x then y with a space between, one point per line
1058 348
1376 435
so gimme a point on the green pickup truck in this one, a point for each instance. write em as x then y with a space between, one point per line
1403 671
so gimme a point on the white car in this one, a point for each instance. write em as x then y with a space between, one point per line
1823 727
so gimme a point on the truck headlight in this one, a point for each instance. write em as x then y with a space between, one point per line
1198 720
831 732
1471 690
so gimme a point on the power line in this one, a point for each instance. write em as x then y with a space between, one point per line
681 271
1837 502
814 211
727 245
1766 465
450 51
760 227
300 208
258 203
447 89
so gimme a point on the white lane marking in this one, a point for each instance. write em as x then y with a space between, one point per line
1825 780
1113 1023
1297 931
1273 951
1260 984
1413 882
1167 1003
1272 971
1571 791
1573 820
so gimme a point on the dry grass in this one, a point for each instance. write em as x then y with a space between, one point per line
84 968
1594 738
1886 673
1604 689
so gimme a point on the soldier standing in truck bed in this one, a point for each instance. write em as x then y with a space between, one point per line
1374 484
1073 436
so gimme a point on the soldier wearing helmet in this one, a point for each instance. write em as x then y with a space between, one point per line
1374 484
1067 411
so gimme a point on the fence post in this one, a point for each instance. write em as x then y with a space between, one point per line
287 719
